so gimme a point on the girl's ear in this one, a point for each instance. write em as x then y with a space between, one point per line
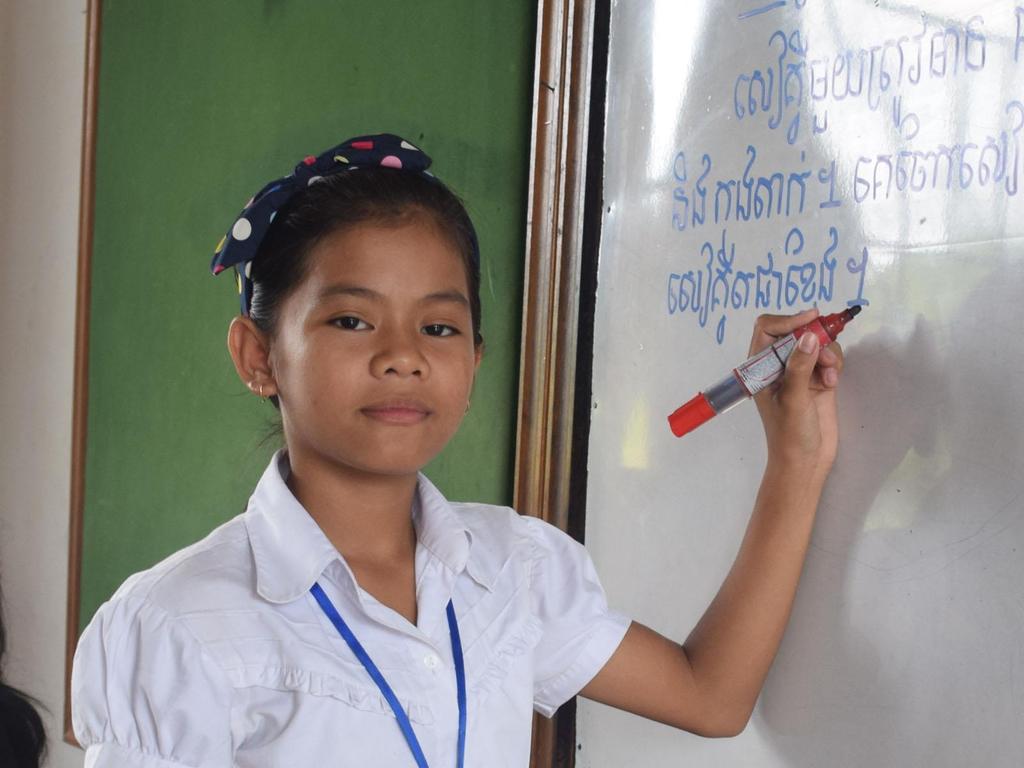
250 352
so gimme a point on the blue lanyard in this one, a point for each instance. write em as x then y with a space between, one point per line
385 689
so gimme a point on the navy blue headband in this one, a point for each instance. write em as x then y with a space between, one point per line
239 246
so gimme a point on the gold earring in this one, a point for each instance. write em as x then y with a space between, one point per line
258 388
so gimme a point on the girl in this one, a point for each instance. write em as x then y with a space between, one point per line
22 735
353 615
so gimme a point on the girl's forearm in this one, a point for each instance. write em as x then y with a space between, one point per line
733 645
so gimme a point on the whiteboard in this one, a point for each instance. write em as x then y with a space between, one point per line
769 156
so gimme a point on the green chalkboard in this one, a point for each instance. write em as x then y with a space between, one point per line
199 104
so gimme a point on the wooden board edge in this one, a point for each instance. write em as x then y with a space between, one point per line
544 424
81 363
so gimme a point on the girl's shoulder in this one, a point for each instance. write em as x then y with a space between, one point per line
505 533
489 520
217 568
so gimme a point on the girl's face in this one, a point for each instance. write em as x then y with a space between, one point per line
373 357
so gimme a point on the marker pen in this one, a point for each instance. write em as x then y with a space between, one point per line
755 374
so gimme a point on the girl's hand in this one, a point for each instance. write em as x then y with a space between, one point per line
799 410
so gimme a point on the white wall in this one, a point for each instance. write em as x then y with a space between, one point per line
42 55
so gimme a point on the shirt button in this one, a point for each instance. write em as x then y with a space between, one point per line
431 662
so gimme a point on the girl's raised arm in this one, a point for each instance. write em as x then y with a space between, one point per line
710 683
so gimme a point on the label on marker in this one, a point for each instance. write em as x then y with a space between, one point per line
763 368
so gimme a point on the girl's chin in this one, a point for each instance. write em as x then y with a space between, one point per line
395 456
392 466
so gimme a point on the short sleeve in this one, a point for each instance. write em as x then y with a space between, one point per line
144 693
579 631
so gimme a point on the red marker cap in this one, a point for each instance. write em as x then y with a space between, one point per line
690 415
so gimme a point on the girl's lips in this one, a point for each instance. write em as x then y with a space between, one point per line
397 413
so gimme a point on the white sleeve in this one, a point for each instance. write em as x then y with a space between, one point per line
580 632
144 693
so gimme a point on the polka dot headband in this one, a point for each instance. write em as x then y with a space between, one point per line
239 246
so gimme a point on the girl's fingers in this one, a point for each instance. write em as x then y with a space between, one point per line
768 328
830 365
824 374
800 368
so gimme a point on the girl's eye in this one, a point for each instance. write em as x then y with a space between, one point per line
439 329
350 323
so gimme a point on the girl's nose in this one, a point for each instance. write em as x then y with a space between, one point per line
400 355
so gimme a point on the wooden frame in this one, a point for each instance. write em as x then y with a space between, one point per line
551 295
551 300
81 366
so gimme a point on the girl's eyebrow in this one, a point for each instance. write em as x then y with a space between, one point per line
454 297
342 289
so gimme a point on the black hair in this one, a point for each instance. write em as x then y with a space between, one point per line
22 736
367 195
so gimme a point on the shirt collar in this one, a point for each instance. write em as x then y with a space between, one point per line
288 547
291 551
440 531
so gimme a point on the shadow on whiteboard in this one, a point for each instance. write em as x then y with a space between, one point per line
904 647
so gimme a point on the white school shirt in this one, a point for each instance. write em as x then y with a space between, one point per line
219 656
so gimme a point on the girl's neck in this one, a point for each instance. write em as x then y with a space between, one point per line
367 517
